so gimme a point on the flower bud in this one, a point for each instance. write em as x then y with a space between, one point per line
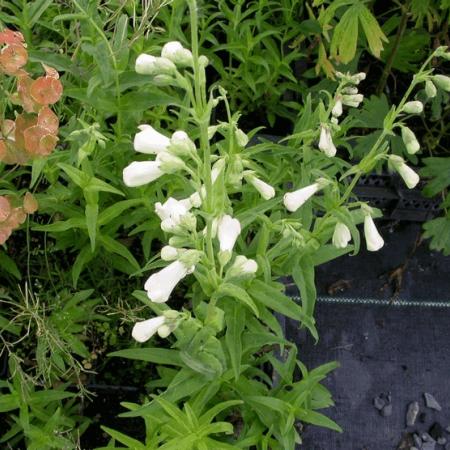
337 108
352 90
228 230
164 331
160 285
196 200
139 173
175 52
145 64
352 100
203 60
181 144
374 241
410 141
170 163
169 253
357 78
143 331
414 107
409 176
216 169
442 81
150 141
430 89
242 267
266 190
190 258
326 142
163 80
241 137
341 235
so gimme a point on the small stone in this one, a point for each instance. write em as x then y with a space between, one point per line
417 440
386 411
429 446
427 438
442 441
436 431
413 448
448 429
431 402
412 413
379 402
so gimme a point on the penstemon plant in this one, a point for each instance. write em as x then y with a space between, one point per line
238 217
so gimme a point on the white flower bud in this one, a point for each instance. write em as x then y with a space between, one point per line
430 89
357 78
266 190
203 60
351 90
169 253
242 266
241 137
341 235
409 139
196 200
160 285
409 176
216 169
228 230
139 173
374 241
164 66
143 331
337 108
170 163
176 53
145 64
164 331
181 144
442 81
293 200
352 100
150 141
326 142
414 107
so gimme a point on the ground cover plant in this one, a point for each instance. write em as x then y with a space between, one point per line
214 219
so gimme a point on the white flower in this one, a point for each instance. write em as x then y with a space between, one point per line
160 285
175 52
352 90
150 141
228 230
357 78
409 176
409 139
143 331
374 241
139 173
337 108
352 100
145 64
341 235
181 144
326 142
171 212
414 107
266 190
442 81
241 137
293 200
196 200
430 89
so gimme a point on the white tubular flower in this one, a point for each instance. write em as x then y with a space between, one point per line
169 253
414 107
341 235
160 285
171 213
442 81
228 230
409 139
170 163
175 52
143 331
139 173
374 241
337 108
293 200
242 267
150 141
181 144
241 137
357 78
352 100
430 89
409 176
326 142
145 64
266 190
351 90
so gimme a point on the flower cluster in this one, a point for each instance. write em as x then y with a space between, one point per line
34 132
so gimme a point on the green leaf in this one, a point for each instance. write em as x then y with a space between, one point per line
374 34
91 212
438 172
116 210
113 246
35 11
345 36
124 439
303 274
80 178
151 354
235 320
234 291
9 265
63 225
81 260
8 402
318 419
438 230
277 301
